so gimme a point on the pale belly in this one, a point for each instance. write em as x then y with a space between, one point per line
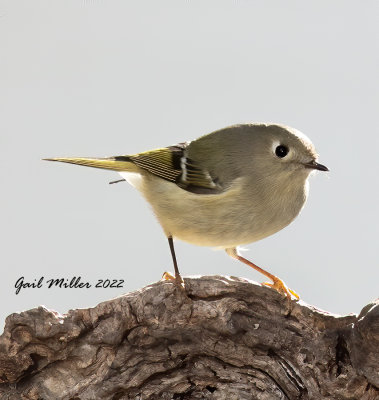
221 220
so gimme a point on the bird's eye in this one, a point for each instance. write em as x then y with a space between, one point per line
281 151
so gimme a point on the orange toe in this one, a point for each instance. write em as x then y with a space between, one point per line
175 279
282 288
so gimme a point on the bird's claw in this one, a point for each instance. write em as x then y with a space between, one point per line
282 288
167 277
175 279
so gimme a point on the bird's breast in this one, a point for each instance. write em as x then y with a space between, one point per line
240 215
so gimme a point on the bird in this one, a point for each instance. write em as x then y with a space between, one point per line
228 188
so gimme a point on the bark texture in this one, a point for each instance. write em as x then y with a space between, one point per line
221 338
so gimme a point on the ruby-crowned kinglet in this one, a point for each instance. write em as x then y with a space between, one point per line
230 187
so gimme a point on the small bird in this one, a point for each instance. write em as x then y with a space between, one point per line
231 187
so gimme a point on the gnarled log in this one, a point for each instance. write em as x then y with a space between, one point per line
221 338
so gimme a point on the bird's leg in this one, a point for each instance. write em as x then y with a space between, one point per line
277 284
167 276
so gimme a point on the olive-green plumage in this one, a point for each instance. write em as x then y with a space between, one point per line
230 187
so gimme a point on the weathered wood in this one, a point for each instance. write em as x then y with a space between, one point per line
222 338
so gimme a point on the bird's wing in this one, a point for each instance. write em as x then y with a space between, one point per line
172 164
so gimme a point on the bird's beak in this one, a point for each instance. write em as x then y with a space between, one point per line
315 165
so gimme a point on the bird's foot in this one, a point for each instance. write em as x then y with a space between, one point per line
175 279
282 288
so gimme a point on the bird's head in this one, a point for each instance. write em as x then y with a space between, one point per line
282 150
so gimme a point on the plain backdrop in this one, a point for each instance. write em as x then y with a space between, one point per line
101 78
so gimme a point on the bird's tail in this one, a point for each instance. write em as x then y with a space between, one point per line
120 163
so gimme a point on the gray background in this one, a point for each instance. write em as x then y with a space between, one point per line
100 78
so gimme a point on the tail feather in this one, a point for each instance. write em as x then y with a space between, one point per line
121 164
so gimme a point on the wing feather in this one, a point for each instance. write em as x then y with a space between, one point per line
172 164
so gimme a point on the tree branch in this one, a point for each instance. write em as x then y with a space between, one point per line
222 338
